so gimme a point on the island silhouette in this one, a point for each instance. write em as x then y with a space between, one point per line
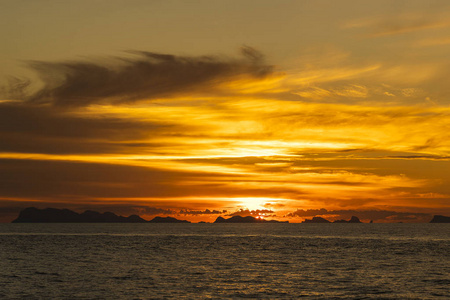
248 219
167 220
353 219
54 215
440 219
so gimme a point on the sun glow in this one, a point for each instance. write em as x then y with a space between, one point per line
254 203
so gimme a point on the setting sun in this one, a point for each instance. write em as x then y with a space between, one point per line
349 116
226 149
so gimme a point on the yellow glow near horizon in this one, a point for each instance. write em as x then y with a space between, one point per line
257 203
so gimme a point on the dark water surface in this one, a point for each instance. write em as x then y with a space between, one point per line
160 261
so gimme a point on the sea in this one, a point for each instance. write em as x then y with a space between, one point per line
224 261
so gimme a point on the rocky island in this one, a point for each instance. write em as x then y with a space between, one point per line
248 219
54 215
440 219
353 219
316 220
167 220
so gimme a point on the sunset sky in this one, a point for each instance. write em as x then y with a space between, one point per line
200 109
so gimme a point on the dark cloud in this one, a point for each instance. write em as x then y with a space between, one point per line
41 129
20 118
147 76
308 212
201 212
376 215
15 88
35 179
85 183
30 125
146 210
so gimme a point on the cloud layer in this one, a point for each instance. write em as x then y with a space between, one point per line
145 77
208 136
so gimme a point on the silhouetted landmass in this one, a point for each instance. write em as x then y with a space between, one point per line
248 219
167 220
316 220
440 219
54 215
352 220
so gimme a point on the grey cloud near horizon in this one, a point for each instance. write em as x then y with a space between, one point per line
146 76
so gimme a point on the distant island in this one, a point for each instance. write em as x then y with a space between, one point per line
167 220
248 219
440 219
54 215
353 219
316 220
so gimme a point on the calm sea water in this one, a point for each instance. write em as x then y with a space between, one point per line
160 261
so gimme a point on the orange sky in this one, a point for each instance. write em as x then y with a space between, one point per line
335 115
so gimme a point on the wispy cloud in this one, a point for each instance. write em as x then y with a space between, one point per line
232 134
26 127
398 24
148 76
435 41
